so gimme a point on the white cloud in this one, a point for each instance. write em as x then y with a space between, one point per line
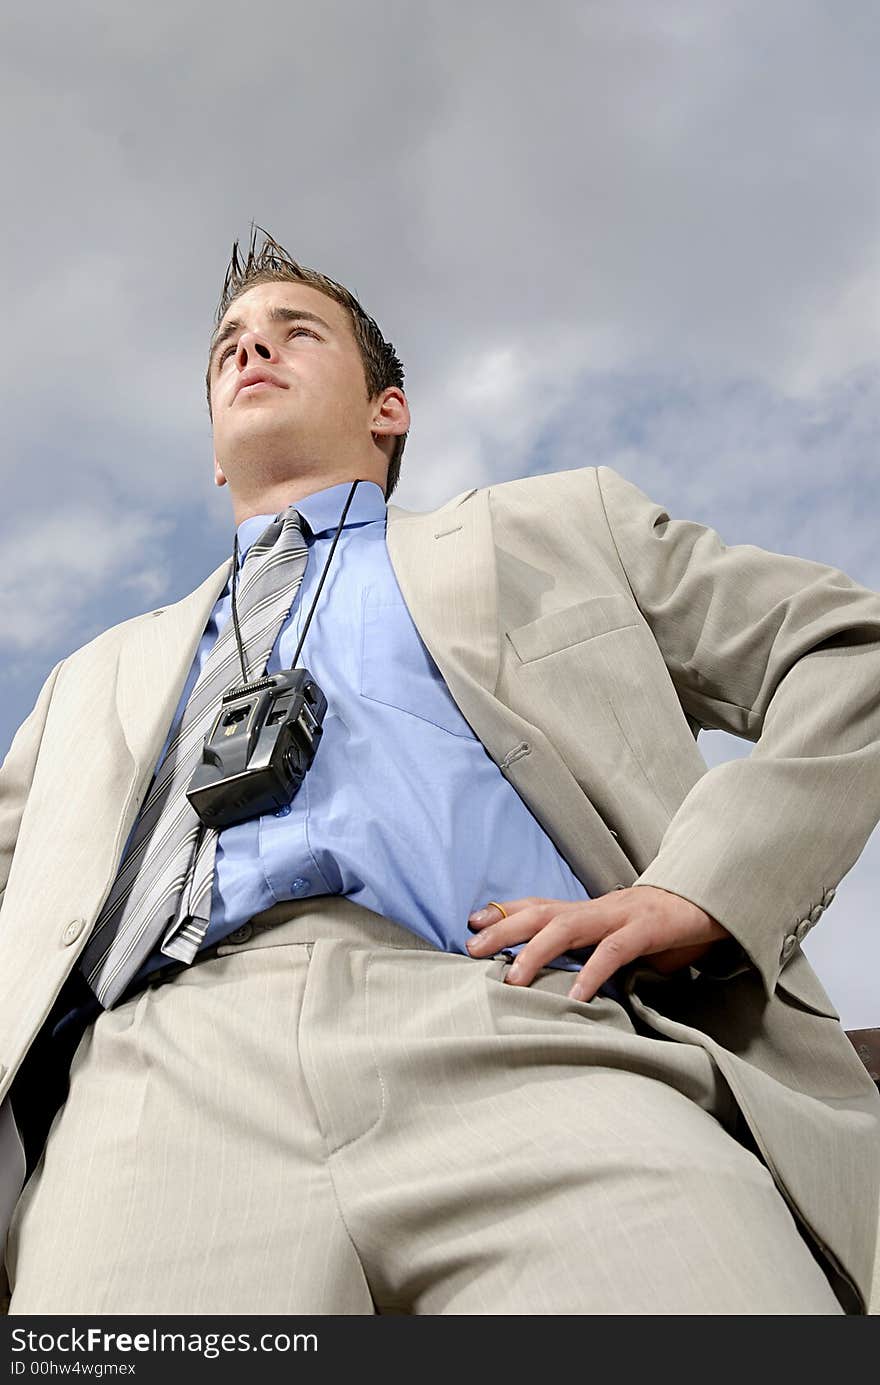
58 564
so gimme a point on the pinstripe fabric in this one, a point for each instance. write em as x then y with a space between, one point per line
164 882
603 752
384 1126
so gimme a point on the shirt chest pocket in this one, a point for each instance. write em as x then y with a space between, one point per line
397 670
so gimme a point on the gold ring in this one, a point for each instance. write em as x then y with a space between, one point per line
496 905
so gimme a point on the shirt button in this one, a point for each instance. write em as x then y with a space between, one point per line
282 812
299 887
240 935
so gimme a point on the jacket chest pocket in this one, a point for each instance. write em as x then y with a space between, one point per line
561 630
397 670
596 669
594 662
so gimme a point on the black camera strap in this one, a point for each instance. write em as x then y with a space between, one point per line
266 732
238 641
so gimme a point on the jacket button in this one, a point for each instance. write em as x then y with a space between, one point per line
828 896
73 930
803 929
788 946
816 913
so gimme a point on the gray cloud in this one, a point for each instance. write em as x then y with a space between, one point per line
642 235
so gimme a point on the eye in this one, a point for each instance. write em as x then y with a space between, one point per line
228 351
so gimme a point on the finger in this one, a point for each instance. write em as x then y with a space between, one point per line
613 951
502 908
560 933
516 929
569 926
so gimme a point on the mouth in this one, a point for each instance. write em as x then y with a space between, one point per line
257 385
253 380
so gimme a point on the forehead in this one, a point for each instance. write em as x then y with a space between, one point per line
252 305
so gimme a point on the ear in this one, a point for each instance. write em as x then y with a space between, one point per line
391 415
219 478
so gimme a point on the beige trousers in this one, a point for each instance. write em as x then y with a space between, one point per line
332 1116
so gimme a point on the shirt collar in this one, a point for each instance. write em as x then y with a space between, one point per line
321 512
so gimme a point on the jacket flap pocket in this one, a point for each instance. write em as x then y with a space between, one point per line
561 629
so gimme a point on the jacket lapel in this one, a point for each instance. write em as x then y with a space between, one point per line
444 562
153 665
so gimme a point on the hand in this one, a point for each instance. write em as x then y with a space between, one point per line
642 921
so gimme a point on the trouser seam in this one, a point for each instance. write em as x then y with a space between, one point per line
373 1123
330 1152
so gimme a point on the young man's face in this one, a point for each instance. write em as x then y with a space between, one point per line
315 412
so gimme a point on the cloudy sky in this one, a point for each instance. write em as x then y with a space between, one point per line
621 232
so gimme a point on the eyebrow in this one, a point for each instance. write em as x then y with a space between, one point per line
276 314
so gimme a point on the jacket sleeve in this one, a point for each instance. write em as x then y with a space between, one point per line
16 774
784 652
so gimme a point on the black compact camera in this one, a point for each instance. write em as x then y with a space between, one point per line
259 748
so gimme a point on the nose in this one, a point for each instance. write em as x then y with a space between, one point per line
251 345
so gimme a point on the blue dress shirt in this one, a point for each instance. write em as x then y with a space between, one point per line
403 810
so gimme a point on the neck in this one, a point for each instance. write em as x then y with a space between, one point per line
272 499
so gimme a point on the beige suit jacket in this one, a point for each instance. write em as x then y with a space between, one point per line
586 637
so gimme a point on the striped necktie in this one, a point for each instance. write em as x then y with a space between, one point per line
164 883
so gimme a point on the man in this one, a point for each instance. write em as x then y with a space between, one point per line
307 1073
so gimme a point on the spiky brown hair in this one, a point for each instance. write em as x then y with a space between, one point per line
271 262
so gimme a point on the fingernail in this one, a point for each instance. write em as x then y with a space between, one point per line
480 916
575 993
516 970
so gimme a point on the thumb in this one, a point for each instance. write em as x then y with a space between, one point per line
673 958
